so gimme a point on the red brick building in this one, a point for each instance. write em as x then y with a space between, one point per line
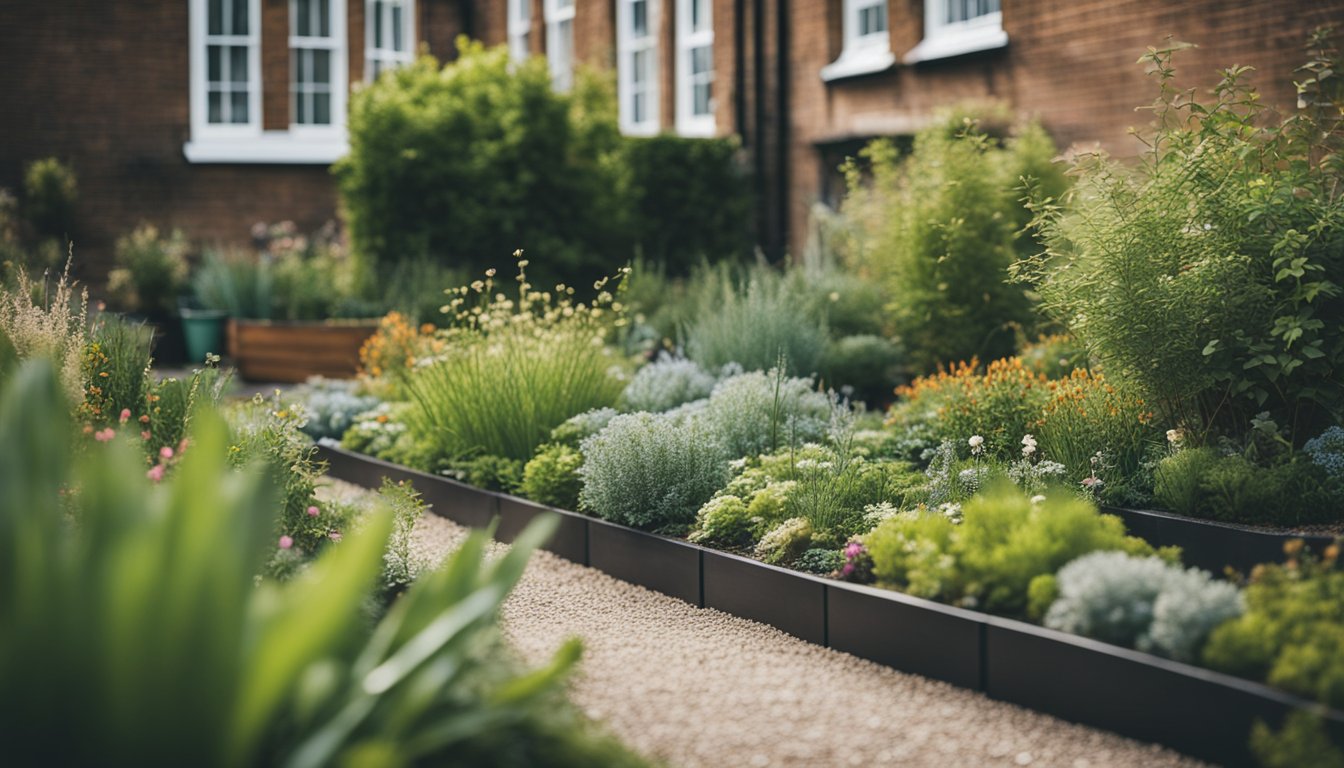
213 114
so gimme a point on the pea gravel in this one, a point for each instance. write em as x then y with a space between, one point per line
697 687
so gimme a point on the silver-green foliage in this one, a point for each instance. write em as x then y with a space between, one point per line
754 321
650 471
665 384
755 413
1142 602
331 405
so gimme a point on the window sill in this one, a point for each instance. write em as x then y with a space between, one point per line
957 44
272 147
853 63
640 129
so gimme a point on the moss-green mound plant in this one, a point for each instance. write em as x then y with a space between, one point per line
513 369
133 617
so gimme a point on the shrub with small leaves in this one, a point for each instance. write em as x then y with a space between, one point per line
665 384
723 520
651 472
1141 602
404 502
578 428
494 473
786 542
331 405
755 413
820 561
552 477
1327 450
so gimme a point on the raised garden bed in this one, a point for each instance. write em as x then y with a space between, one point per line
1200 712
1211 545
264 350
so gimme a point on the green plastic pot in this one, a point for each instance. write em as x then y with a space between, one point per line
204 331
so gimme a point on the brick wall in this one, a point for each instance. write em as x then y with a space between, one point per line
104 86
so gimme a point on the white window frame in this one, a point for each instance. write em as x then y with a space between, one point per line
389 58
248 143
943 39
862 54
689 39
335 43
562 69
626 47
201 127
520 29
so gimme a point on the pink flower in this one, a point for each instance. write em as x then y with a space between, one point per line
155 473
313 511
165 452
144 435
334 536
125 415
105 435
286 542
182 446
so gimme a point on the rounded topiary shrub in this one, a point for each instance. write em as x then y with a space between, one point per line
651 471
469 161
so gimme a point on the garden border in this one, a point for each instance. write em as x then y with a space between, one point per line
1210 544
1196 711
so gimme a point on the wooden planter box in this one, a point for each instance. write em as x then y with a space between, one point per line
1197 711
265 350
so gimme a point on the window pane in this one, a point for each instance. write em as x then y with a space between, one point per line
215 16
700 99
302 15
638 61
321 67
322 108
240 26
702 60
377 20
324 17
639 18
637 107
238 64
700 15
215 107
300 108
213 55
238 107
564 3
398 27
873 19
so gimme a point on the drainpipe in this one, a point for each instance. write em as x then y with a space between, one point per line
758 129
782 119
740 69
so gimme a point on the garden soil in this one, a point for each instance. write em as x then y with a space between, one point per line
697 687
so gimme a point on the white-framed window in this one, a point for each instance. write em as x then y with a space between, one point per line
867 41
520 29
226 68
955 27
560 42
695 68
226 84
316 64
637 65
389 35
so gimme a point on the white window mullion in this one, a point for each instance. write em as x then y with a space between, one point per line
637 66
389 37
225 70
695 68
317 66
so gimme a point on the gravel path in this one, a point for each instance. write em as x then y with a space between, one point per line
697 687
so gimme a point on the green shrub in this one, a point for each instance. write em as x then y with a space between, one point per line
511 371
651 472
494 473
939 229
200 665
330 405
1053 356
665 384
116 365
754 321
991 558
691 200
755 413
1209 273
579 427
50 192
406 508
1292 630
468 162
236 283
1302 742
786 542
552 477
1199 482
866 367
1142 603
820 561
723 520
151 270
